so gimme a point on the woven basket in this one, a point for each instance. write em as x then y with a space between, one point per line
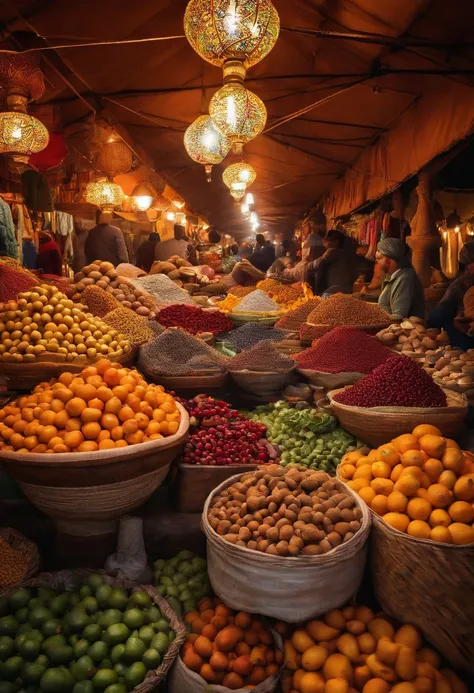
27 548
262 383
196 481
190 383
67 578
429 585
330 381
261 318
378 425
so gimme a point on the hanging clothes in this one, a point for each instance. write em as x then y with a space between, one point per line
36 191
64 223
8 244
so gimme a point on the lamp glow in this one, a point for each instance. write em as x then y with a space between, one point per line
253 218
104 194
245 208
171 216
204 144
142 197
249 199
238 177
238 114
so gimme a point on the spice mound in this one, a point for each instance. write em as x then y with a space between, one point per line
343 350
13 564
13 280
221 436
246 336
176 352
194 320
398 382
257 302
99 302
294 319
103 408
320 517
136 329
341 309
286 295
263 357
163 289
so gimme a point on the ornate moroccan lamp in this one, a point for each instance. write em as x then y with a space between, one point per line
205 145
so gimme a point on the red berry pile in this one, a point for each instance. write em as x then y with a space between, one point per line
194 319
222 436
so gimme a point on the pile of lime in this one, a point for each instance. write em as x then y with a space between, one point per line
183 581
95 639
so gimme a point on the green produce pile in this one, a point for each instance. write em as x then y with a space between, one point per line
97 638
304 435
183 581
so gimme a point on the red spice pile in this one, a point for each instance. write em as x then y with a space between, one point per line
344 349
398 382
194 319
12 282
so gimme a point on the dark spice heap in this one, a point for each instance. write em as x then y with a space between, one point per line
194 320
398 382
176 352
295 318
246 336
13 282
342 309
98 301
343 350
262 357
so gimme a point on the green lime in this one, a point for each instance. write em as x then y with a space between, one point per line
176 606
92 632
146 633
6 687
189 605
35 633
102 595
153 613
73 639
159 564
179 579
116 633
81 647
84 668
186 569
20 598
59 604
24 628
83 687
57 680
42 659
171 635
105 664
151 659
104 678
22 615
161 589
172 591
29 649
162 626
74 599
98 651
39 615
54 641
46 593
52 627
185 594
8 625
32 673
11 668
94 581
140 599
6 647
167 581
160 642
85 591
135 675
118 599
134 650
117 652
110 618
134 618
116 688
90 605
76 620
62 654
35 603
120 669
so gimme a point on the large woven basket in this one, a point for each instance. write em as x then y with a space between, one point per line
190 383
378 425
262 383
68 578
196 481
27 548
330 381
429 585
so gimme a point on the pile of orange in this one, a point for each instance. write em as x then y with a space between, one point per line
420 483
104 407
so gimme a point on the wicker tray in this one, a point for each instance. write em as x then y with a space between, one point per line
27 548
330 380
60 581
190 383
195 482
378 425
262 383
256 317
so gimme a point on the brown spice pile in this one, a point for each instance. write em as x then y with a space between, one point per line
136 328
342 309
241 291
176 352
13 564
98 301
295 318
262 357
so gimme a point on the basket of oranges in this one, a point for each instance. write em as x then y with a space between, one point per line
88 448
420 489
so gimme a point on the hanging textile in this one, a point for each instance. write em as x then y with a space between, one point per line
64 223
8 244
36 191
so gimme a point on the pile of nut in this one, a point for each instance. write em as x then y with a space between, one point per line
453 369
286 511
412 338
104 275
189 278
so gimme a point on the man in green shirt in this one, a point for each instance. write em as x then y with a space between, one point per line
402 292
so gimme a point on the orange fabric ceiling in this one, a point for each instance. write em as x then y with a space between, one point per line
377 130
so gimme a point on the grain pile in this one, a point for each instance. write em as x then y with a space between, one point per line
13 564
98 301
241 291
176 352
342 309
12 281
344 350
135 328
246 336
296 318
287 296
163 289
263 357
257 302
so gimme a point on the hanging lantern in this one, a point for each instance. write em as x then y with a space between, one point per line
104 194
220 30
114 158
239 176
204 144
161 203
142 197
238 114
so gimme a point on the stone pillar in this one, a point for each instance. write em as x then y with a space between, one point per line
424 233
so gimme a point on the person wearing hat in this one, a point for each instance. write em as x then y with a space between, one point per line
145 255
449 313
402 293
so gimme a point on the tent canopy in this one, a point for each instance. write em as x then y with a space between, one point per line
374 107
